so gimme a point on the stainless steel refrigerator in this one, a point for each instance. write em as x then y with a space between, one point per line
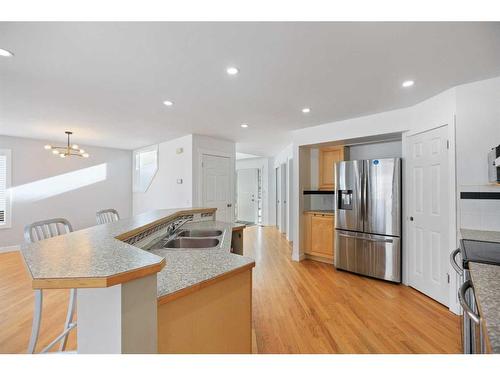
368 217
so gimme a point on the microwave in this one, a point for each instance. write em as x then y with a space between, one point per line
494 165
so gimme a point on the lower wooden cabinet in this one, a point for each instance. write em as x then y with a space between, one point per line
318 235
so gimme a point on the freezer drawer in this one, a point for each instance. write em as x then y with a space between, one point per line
370 255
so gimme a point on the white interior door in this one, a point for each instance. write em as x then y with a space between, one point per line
248 191
289 200
278 198
216 185
429 190
283 183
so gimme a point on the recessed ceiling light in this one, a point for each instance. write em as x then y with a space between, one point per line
244 125
232 71
408 83
306 110
168 103
5 53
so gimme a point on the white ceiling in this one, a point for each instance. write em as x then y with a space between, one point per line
106 81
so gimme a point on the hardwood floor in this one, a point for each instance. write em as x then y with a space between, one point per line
309 307
16 308
305 307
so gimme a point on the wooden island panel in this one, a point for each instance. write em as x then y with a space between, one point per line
216 319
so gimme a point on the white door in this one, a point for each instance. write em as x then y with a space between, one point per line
283 189
278 197
429 190
289 200
216 185
248 190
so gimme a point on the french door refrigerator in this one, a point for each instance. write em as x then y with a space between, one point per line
368 217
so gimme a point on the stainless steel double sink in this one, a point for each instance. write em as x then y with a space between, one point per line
194 239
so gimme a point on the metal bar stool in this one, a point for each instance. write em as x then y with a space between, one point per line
38 231
108 215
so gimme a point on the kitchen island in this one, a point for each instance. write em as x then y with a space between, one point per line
132 300
486 281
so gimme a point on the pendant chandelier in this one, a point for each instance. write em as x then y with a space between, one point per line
68 150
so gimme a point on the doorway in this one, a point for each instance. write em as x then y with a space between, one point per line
216 185
429 213
249 196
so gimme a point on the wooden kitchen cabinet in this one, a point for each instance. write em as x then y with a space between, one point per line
328 156
318 236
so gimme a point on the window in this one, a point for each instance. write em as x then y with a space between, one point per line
145 168
5 207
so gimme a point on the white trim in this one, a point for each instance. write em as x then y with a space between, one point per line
9 249
8 192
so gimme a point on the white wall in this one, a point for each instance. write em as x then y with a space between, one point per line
478 130
45 186
267 175
164 191
380 150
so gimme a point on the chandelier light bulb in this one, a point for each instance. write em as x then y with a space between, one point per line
55 152
47 147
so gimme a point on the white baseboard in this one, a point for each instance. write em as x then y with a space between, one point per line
8 249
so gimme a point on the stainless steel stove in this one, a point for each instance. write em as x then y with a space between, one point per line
478 252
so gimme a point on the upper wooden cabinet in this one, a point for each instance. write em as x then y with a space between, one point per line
328 156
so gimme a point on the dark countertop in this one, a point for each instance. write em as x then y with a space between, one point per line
486 281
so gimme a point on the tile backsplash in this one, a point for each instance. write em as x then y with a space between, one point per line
481 214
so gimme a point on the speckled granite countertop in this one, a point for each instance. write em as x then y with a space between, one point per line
95 254
486 281
480 235
187 267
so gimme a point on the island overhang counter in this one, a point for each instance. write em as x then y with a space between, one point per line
127 296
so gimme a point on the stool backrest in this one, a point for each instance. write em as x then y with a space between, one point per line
108 215
41 230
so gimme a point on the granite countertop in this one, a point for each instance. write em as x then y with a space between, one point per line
486 281
480 235
95 255
187 267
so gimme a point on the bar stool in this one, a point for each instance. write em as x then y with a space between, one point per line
108 215
38 231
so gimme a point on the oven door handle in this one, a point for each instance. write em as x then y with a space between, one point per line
454 263
467 309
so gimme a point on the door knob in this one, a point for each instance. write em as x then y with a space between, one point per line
411 218
229 205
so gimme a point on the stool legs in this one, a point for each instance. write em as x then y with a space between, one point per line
37 319
69 318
